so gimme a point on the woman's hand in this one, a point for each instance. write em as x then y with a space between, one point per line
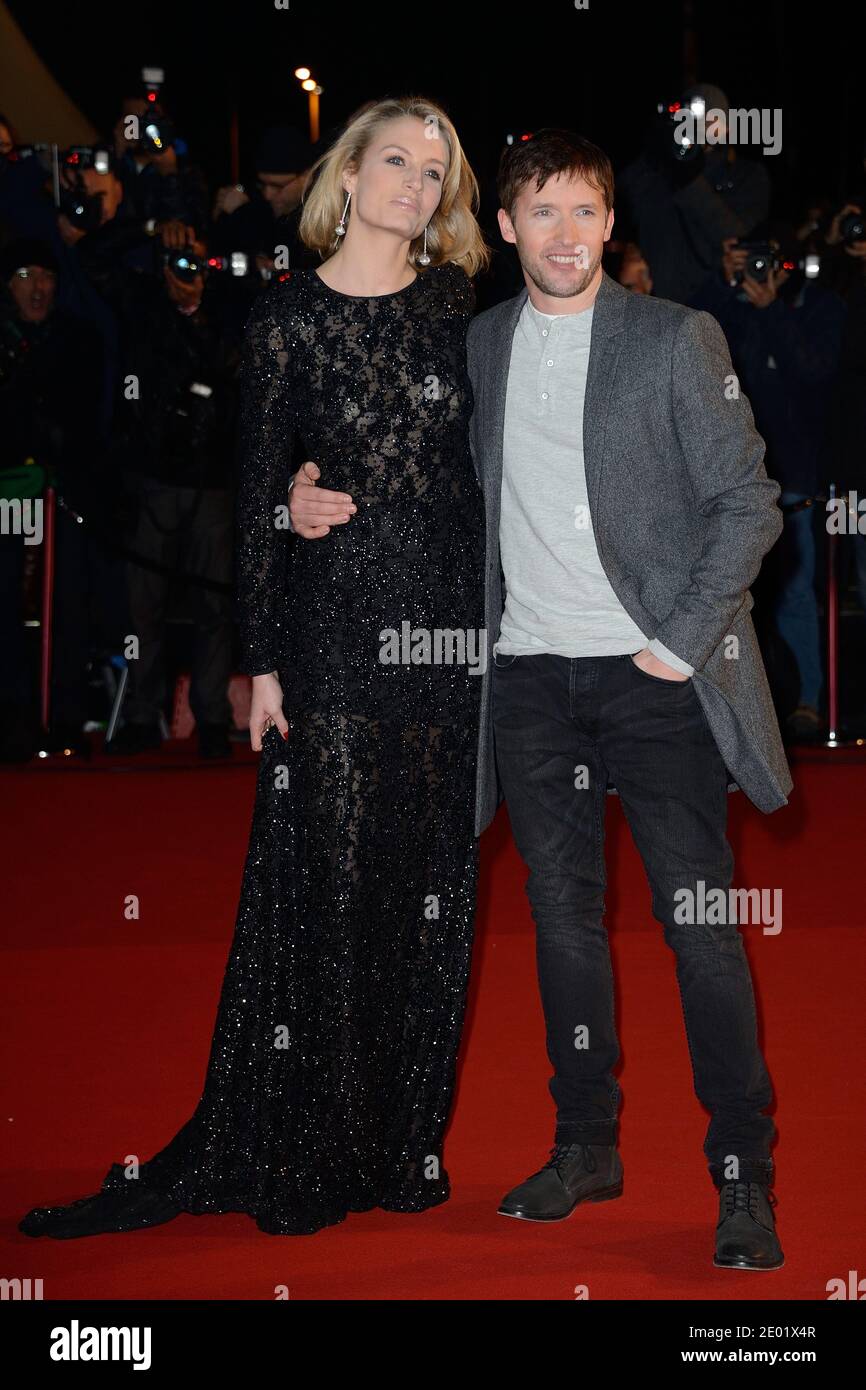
266 708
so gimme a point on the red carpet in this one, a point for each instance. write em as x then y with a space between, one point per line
108 1023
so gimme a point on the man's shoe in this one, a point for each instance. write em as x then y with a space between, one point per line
574 1173
213 741
100 1213
746 1234
135 738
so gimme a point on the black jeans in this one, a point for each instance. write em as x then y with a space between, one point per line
564 728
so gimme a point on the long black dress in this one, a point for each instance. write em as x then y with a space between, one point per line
332 1063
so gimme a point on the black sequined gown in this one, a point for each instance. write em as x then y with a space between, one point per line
332 1063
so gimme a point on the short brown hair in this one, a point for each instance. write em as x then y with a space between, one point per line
544 155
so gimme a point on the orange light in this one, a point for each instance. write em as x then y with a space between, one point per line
302 74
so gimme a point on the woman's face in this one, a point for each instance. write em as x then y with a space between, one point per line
398 186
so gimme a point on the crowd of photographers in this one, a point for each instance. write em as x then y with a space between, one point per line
124 289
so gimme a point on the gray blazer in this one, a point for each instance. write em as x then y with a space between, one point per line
681 506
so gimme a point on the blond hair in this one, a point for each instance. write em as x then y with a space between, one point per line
452 233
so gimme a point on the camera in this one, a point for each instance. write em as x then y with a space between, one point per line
236 262
157 134
43 153
184 263
764 256
680 150
761 258
83 209
852 227
79 158
191 419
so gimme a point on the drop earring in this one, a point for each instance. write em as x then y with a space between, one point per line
424 259
341 225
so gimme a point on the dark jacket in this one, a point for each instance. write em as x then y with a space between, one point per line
681 228
787 360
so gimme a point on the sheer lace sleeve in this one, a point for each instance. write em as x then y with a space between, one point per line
264 458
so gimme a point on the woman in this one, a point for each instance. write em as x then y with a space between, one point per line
332 1064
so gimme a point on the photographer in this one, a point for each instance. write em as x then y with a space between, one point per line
682 208
25 204
172 446
160 185
846 240
49 434
784 331
269 220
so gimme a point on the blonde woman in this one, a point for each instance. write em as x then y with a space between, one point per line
332 1062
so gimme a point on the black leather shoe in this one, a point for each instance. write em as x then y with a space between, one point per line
746 1234
574 1173
100 1213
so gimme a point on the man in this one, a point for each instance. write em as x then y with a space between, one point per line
50 373
262 225
628 510
680 210
172 449
157 184
785 334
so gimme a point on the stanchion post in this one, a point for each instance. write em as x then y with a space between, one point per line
832 634
50 502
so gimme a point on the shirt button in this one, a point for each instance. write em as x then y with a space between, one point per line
550 361
544 395
544 332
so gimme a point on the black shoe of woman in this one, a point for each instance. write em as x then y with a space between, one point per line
100 1213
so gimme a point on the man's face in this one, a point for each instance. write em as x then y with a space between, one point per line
6 145
635 275
559 231
32 288
281 191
